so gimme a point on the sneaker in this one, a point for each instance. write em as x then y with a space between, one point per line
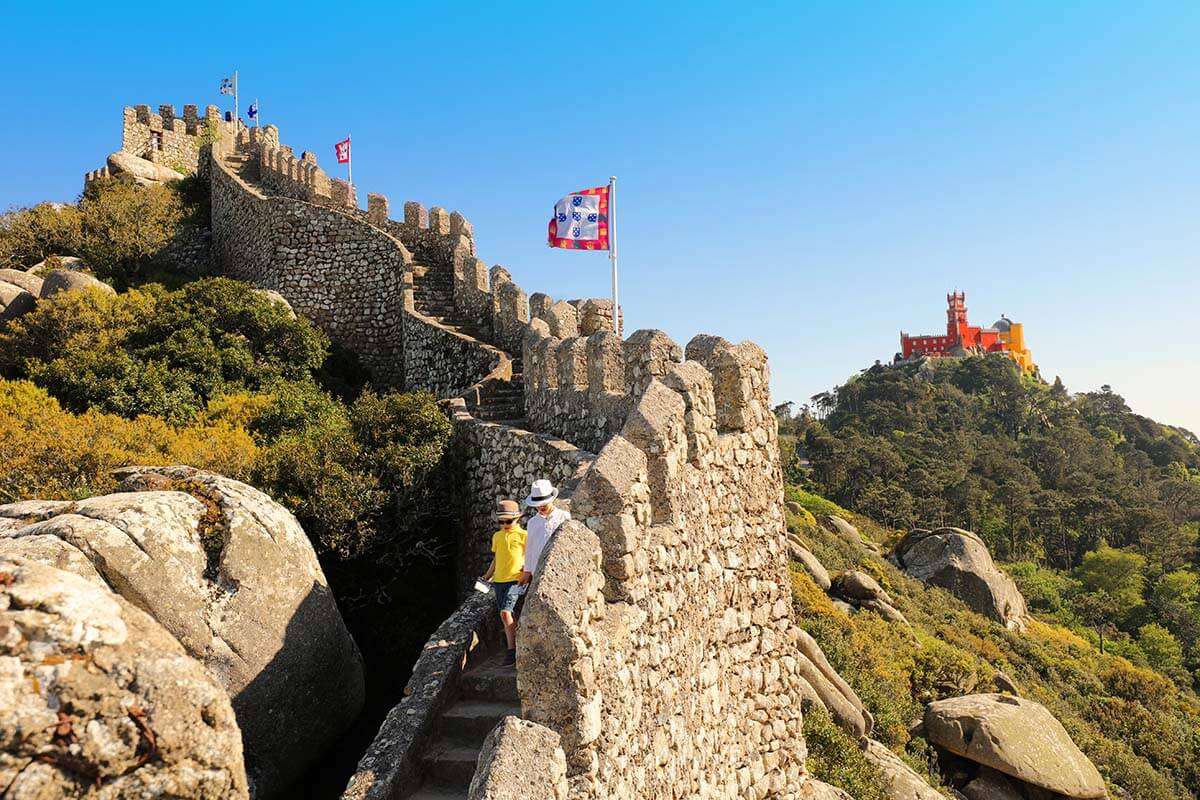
510 659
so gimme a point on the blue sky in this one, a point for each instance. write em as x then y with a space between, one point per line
810 177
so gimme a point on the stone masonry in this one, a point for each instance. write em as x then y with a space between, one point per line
164 138
658 649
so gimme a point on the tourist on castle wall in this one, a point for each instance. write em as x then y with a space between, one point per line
507 571
542 525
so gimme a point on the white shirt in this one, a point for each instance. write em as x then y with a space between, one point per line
539 531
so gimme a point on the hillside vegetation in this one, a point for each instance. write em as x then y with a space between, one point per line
1141 731
212 373
1095 509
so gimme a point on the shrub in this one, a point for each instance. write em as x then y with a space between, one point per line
814 503
148 351
361 482
125 226
49 453
940 670
30 235
834 757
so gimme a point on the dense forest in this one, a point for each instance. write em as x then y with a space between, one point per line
1094 509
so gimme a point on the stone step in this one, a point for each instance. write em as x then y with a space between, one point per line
435 792
490 681
473 720
451 762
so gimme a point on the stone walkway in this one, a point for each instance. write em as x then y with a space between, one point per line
488 693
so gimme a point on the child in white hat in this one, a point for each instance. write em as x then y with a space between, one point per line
542 525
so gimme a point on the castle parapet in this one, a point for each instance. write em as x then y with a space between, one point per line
673 565
164 137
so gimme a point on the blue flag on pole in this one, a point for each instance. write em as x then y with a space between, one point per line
252 111
227 85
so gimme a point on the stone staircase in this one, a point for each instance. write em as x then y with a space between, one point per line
245 165
433 296
488 693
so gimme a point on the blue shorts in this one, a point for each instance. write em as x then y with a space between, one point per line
507 594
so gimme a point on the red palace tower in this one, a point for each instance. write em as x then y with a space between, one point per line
961 337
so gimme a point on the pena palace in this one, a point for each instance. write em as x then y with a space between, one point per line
961 338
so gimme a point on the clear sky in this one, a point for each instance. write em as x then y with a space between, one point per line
810 177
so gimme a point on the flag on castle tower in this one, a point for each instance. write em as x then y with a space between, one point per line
227 86
252 111
581 220
342 149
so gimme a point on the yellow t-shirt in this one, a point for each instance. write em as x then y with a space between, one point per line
509 548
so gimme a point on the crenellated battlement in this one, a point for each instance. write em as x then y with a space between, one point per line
165 136
657 643
660 618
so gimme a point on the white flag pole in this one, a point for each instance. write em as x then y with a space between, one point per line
235 103
257 114
350 164
612 249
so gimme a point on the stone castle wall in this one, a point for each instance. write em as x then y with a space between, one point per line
164 137
345 276
656 638
657 645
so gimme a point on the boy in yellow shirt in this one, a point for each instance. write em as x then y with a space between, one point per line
508 544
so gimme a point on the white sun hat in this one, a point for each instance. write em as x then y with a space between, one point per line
541 493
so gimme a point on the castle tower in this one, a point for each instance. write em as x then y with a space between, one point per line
956 313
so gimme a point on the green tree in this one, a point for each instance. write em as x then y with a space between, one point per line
1163 651
124 226
29 235
162 353
1116 577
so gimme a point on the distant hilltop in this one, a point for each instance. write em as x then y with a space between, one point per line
962 338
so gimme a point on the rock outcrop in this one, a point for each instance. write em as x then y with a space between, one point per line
514 753
812 565
67 280
830 689
25 280
1017 737
98 700
991 785
233 577
140 169
842 528
959 562
73 263
900 781
861 590
14 302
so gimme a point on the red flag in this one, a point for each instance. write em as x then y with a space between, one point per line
580 221
343 151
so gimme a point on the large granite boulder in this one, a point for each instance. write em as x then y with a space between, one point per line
274 297
991 785
73 263
863 591
232 576
842 528
959 562
14 302
830 689
26 280
141 168
520 759
812 565
817 790
1017 737
900 781
69 280
97 700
